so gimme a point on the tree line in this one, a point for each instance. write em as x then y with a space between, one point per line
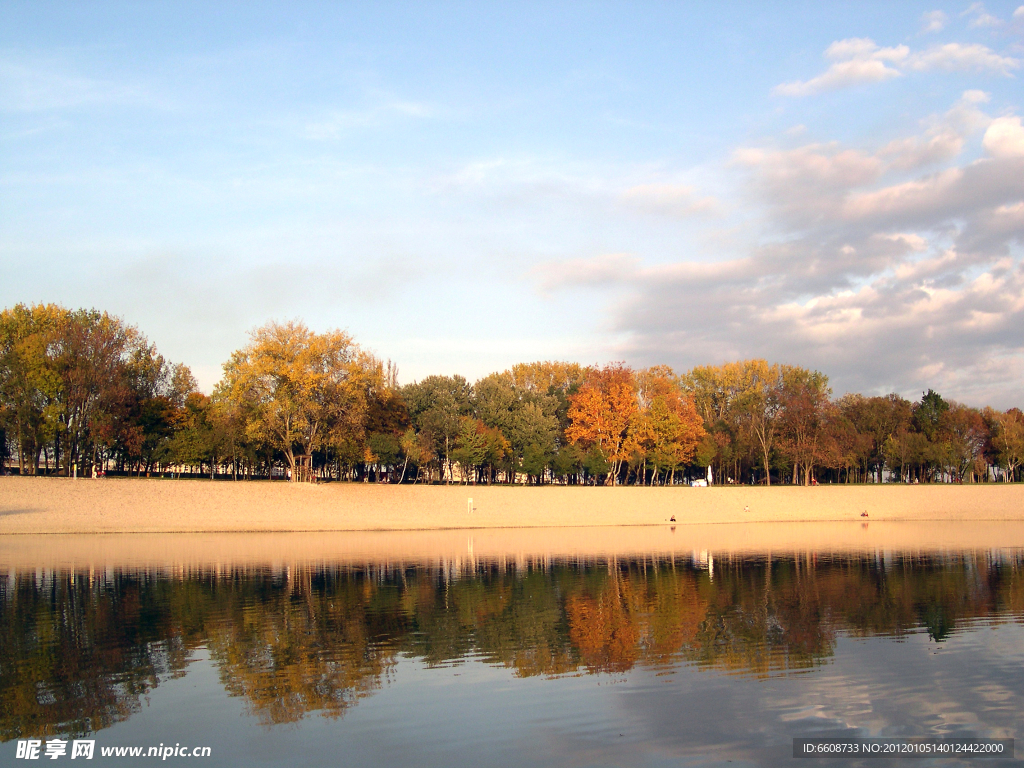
81 391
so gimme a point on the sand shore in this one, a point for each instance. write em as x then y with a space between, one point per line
30 505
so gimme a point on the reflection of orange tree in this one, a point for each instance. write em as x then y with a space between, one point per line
633 617
604 628
660 615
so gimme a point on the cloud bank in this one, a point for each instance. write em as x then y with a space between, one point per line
877 267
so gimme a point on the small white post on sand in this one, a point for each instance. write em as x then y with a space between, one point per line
470 506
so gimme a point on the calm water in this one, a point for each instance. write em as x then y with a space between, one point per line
699 660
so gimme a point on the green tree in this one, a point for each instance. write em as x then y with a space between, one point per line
471 448
436 406
194 442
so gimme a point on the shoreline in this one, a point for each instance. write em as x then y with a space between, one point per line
45 505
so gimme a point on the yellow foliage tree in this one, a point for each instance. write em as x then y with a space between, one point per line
299 389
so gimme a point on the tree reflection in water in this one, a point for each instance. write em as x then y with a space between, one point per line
78 651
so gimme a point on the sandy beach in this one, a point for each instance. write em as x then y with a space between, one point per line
30 505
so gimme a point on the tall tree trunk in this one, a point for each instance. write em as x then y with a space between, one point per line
290 455
21 451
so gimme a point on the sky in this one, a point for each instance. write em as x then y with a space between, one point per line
465 186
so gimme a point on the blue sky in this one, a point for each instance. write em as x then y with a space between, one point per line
463 187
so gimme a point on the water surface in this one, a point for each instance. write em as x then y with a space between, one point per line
671 657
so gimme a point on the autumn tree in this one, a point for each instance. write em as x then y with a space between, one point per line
228 421
963 436
600 414
741 404
72 382
90 351
1008 440
299 389
193 443
903 448
883 427
387 419
666 429
28 377
547 377
553 382
806 415
496 401
471 447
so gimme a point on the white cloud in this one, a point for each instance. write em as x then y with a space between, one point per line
864 48
857 60
817 183
821 165
806 183
933 21
944 137
901 198
861 60
981 17
956 57
1005 138
914 152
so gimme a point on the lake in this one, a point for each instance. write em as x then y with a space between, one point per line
467 648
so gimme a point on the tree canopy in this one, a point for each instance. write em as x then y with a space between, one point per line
82 390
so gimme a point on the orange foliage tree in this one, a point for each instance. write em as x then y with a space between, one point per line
666 429
601 411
